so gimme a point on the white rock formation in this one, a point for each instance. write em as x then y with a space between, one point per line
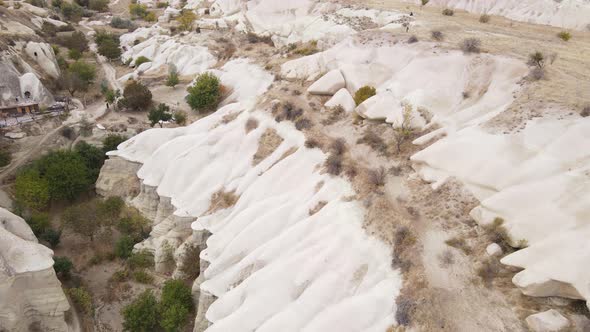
30 294
547 321
185 53
269 265
13 85
43 55
328 84
572 14
493 249
342 98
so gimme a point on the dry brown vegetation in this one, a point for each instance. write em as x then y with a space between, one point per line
222 199
269 142
251 124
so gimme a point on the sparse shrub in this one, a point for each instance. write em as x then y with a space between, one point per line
119 276
186 20
68 132
488 271
62 266
205 94
254 38
189 264
405 309
139 60
287 112
564 35
412 39
37 3
484 18
403 131
143 277
498 233
51 237
536 74
136 96
98 5
424 2
74 54
363 94
338 146
76 41
162 5
141 259
309 48
336 113
303 123
437 35
121 23
150 17
111 142
71 11
312 143
124 247
585 112
172 79
376 177
374 141
137 10
180 118
81 299
448 12
537 59
333 164
251 124
471 45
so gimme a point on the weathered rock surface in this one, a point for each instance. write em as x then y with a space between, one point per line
342 98
31 297
547 321
328 84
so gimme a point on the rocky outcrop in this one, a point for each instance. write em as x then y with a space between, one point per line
547 321
328 84
31 297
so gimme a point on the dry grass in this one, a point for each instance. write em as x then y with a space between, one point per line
229 117
335 114
373 140
498 233
459 243
317 207
222 199
303 123
488 271
338 146
286 111
312 143
471 45
268 143
437 35
333 164
251 124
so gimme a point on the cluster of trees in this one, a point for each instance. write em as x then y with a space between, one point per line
170 314
70 11
61 176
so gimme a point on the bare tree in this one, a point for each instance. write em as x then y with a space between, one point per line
403 130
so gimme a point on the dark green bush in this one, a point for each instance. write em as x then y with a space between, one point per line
111 142
62 266
205 94
142 314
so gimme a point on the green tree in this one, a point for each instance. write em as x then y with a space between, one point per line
66 174
176 292
172 79
110 49
51 236
159 114
137 10
173 318
110 209
98 5
62 266
85 71
205 93
76 41
93 158
111 142
136 96
32 190
5 157
142 314
71 11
